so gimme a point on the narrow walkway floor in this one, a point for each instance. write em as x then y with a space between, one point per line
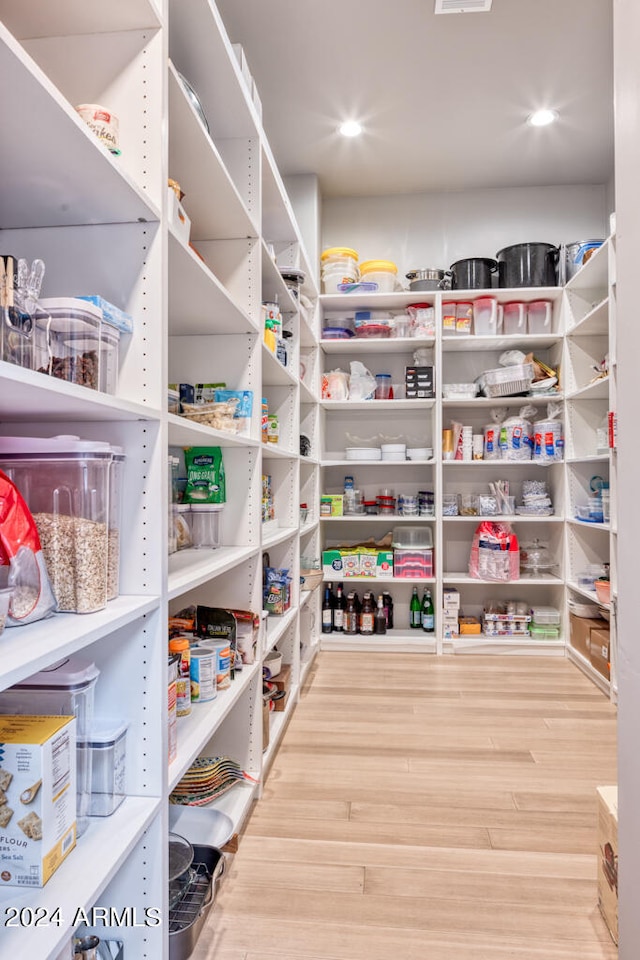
429 810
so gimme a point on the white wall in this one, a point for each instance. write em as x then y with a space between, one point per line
435 229
303 191
627 101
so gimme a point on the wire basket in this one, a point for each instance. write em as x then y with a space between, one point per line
507 381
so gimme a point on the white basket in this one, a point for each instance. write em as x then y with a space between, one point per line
507 381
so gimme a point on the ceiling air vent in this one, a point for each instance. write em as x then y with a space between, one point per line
463 6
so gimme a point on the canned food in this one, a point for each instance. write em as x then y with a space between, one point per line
203 675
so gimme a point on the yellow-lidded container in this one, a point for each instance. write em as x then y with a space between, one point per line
338 253
382 272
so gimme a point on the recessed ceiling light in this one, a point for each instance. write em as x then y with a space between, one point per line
350 128
542 118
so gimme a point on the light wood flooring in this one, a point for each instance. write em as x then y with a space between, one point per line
426 809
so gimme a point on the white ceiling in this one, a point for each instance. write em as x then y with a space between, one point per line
443 99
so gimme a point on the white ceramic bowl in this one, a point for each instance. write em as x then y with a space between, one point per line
363 453
419 453
394 448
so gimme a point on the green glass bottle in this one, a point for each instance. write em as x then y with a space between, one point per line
415 611
428 613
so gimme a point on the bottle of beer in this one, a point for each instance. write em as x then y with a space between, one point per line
380 619
351 616
327 610
339 610
387 600
428 613
415 611
367 615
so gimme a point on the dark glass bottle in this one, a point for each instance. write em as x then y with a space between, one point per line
367 615
339 610
351 616
428 613
380 619
327 610
387 601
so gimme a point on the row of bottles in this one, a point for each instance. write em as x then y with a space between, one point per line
348 615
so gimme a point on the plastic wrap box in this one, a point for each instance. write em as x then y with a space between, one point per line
38 755
608 857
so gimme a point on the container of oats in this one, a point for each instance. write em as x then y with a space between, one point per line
65 483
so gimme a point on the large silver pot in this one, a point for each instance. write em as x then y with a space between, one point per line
427 278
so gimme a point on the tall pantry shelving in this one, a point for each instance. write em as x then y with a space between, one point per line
582 331
100 223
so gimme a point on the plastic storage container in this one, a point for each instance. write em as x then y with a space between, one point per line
109 358
485 316
382 272
546 616
338 265
65 482
116 480
514 321
107 745
64 689
464 318
539 314
412 563
406 536
206 524
67 341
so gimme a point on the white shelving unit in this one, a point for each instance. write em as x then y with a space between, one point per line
100 223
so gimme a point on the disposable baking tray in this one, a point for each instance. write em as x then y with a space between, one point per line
507 381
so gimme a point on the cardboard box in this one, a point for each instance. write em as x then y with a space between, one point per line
35 837
469 626
332 564
599 651
283 680
331 505
608 857
450 599
580 632
384 565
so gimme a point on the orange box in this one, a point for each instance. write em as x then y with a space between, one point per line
469 625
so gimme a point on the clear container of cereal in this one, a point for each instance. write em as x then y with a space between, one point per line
65 483
67 340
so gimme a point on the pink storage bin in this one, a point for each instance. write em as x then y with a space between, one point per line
515 319
485 316
539 317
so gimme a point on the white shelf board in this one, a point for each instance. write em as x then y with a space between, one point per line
511 518
213 203
401 641
504 294
278 721
309 461
201 51
594 323
585 665
599 390
195 730
378 518
575 522
306 394
308 527
376 406
273 286
525 342
107 843
237 802
272 451
396 464
90 186
276 627
593 273
592 458
186 433
198 302
63 634
465 578
274 374
32 18
499 464
375 582
190 568
480 644
278 219
29 395
588 594
308 335
305 595
279 535
368 345
345 302
469 404
305 667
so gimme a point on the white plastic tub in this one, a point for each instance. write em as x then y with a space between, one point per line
108 754
539 313
382 272
485 317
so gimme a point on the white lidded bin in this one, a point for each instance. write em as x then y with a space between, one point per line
64 689
108 748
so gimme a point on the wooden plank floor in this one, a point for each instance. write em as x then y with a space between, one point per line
428 809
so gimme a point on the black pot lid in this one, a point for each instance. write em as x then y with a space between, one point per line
517 246
489 263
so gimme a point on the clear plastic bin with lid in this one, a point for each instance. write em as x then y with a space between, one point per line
65 483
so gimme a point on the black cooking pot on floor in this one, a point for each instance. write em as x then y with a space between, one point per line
474 273
528 265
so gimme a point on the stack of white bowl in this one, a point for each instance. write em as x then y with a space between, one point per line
394 451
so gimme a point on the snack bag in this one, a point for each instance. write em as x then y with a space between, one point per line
495 553
20 551
205 475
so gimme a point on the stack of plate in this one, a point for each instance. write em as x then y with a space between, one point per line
419 453
363 453
394 451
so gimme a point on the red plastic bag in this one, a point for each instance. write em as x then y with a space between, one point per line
32 596
495 552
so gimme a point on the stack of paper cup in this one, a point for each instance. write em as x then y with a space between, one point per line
467 443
